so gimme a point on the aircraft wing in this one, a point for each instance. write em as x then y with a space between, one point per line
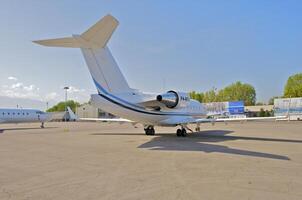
249 119
191 120
118 120
239 119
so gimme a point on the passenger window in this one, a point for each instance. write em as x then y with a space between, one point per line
13 113
27 113
18 113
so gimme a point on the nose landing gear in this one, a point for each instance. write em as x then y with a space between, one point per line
149 130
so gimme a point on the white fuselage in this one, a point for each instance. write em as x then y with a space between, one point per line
127 106
8 115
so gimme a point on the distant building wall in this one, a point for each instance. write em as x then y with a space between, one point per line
57 116
258 108
89 111
255 111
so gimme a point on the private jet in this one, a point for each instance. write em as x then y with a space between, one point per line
172 108
11 115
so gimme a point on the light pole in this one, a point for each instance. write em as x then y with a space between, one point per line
65 115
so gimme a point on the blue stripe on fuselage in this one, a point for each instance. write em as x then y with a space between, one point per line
137 109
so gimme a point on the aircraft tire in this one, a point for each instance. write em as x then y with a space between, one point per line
178 133
184 132
150 131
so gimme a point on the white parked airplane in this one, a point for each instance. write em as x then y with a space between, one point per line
172 108
11 115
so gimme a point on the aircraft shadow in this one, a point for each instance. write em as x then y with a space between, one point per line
200 142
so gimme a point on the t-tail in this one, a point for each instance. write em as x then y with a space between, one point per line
72 116
93 43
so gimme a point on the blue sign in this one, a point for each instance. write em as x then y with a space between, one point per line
236 107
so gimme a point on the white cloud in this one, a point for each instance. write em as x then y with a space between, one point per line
12 78
16 85
18 89
31 88
53 96
78 94
73 89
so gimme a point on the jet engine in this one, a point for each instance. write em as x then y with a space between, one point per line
172 99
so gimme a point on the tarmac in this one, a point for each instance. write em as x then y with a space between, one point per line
77 160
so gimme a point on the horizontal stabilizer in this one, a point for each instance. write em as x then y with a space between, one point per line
95 37
60 42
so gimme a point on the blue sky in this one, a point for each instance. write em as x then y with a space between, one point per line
189 45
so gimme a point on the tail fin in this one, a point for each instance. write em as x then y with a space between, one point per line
72 116
102 66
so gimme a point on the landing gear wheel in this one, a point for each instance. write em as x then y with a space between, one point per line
197 129
181 132
150 130
184 132
42 125
178 133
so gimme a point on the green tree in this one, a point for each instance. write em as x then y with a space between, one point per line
262 113
293 87
197 96
238 92
60 107
271 100
235 92
192 95
200 97
210 96
267 113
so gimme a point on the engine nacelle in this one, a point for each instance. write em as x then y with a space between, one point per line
173 99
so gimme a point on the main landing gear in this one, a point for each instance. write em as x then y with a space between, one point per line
42 125
149 130
181 132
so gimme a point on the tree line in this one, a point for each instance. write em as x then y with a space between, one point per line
60 107
239 91
235 92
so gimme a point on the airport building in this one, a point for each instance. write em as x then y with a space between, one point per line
255 111
90 111
237 109
288 106
231 109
